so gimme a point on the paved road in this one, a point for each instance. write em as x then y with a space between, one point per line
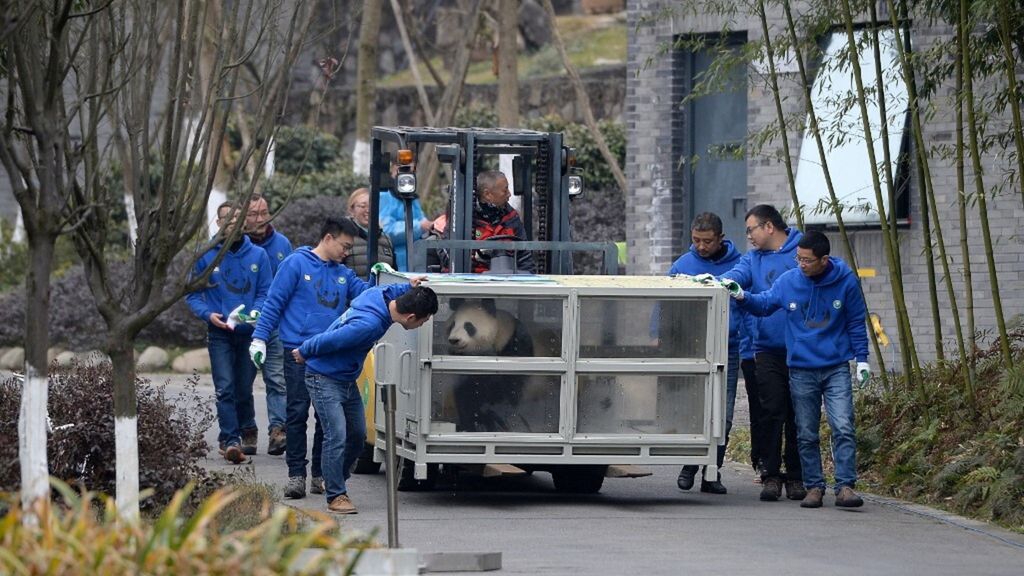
648 526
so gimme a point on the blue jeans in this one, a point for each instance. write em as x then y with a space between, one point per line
731 376
233 374
273 378
807 388
298 417
341 413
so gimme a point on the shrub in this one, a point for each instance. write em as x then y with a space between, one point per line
81 444
301 219
336 180
77 540
304 150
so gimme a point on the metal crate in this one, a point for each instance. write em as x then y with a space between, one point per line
625 370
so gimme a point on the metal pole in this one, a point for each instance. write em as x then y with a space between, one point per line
408 234
391 463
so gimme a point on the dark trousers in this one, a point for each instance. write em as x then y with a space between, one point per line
776 420
754 404
297 420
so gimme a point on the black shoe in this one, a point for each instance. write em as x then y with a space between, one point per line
795 490
713 487
771 489
685 479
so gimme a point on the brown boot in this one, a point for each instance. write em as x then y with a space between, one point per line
342 505
234 455
249 438
795 490
771 489
813 498
277 441
847 498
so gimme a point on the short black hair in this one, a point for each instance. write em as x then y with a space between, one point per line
419 300
335 226
767 213
707 221
815 242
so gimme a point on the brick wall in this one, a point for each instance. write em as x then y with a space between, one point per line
657 201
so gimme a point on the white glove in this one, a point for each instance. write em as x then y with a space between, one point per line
703 278
258 352
235 316
734 288
863 372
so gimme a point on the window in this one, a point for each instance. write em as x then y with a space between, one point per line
833 96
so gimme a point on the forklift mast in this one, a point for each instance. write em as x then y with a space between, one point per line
540 175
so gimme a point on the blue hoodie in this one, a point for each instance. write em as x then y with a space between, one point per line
306 296
825 316
278 248
339 352
756 271
692 264
392 222
748 333
242 277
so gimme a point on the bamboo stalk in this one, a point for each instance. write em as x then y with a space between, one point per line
895 273
979 188
1010 65
834 201
773 80
961 201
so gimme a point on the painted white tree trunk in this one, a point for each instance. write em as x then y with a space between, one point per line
32 441
505 165
216 198
126 448
133 223
361 158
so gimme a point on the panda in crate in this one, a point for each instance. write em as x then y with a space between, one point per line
488 402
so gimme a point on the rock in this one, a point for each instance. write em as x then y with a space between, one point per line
13 359
534 25
151 359
194 360
64 359
52 354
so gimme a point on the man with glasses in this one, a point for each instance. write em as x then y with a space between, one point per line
312 289
711 253
825 324
277 246
773 246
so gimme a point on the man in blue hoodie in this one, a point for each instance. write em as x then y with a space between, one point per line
312 289
825 324
277 246
241 279
773 251
333 361
711 253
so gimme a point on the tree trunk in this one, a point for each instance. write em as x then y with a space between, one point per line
32 417
126 435
414 66
508 69
366 84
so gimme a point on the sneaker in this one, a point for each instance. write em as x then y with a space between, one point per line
795 490
316 485
249 441
813 498
277 441
234 454
296 487
771 489
342 505
685 479
847 498
713 487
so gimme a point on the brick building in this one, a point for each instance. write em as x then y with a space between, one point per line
665 193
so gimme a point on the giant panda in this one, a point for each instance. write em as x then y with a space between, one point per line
487 402
478 328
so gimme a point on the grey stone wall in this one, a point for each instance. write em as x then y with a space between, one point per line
657 233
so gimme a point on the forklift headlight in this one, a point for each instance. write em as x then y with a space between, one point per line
405 184
575 186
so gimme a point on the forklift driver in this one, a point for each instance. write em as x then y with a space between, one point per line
495 219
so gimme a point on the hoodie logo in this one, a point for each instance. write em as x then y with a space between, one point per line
307 278
769 278
327 296
280 255
254 268
792 306
341 280
837 304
